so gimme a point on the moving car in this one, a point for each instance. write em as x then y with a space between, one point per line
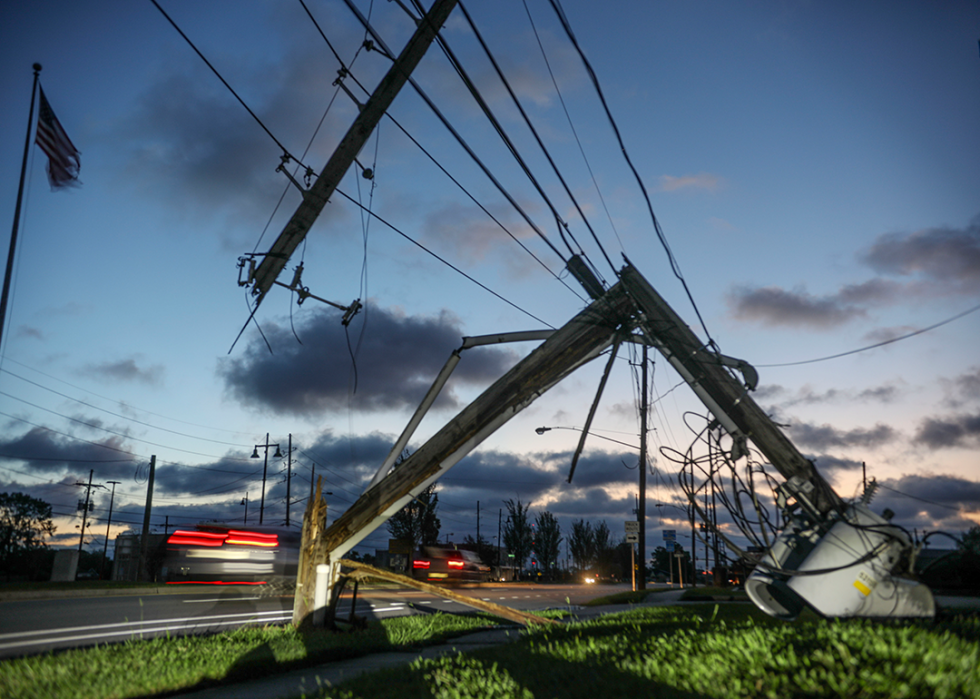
437 564
220 554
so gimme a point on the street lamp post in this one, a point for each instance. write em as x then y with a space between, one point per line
245 502
265 468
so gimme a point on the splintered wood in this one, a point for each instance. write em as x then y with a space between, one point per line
311 553
363 570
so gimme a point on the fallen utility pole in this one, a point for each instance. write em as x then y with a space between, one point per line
570 347
316 197
361 571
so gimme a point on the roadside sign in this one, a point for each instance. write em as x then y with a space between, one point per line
669 545
632 525
670 535
632 538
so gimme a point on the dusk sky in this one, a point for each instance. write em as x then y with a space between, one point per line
814 168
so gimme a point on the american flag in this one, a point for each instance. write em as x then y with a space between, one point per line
63 161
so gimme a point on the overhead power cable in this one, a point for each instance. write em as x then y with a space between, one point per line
459 139
537 138
879 344
122 417
444 261
622 146
571 125
115 400
225 82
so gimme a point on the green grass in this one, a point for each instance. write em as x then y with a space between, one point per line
701 651
628 597
694 650
145 668
718 594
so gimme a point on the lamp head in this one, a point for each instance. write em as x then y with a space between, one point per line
542 430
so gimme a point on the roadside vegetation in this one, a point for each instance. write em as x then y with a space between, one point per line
694 650
701 651
165 665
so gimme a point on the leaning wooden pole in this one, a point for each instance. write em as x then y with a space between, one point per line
311 553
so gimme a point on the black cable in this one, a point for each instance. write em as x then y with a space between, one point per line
459 138
880 344
537 138
622 146
568 117
124 417
114 400
224 82
446 262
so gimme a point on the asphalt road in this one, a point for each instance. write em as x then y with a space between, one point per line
29 627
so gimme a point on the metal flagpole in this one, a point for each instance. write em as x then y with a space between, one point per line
20 197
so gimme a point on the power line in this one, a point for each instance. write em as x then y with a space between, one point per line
225 83
118 415
879 344
114 400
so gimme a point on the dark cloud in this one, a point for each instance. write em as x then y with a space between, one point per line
950 432
775 306
931 261
45 452
189 138
807 396
821 437
829 466
947 256
963 389
397 360
930 502
126 370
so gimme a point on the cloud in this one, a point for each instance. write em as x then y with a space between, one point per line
950 432
944 255
963 389
807 396
930 501
45 452
929 262
702 180
127 370
775 306
822 437
397 359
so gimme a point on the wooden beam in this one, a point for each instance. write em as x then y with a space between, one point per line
316 197
576 343
363 570
678 343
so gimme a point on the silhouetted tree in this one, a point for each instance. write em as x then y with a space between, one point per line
25 523
517 532
547 541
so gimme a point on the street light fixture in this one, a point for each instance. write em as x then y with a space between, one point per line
265 468
542 430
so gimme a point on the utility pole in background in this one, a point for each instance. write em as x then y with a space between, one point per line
145 538
105 549
641 510
85 507
289 472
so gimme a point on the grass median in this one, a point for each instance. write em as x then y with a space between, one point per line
702 650
694 650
